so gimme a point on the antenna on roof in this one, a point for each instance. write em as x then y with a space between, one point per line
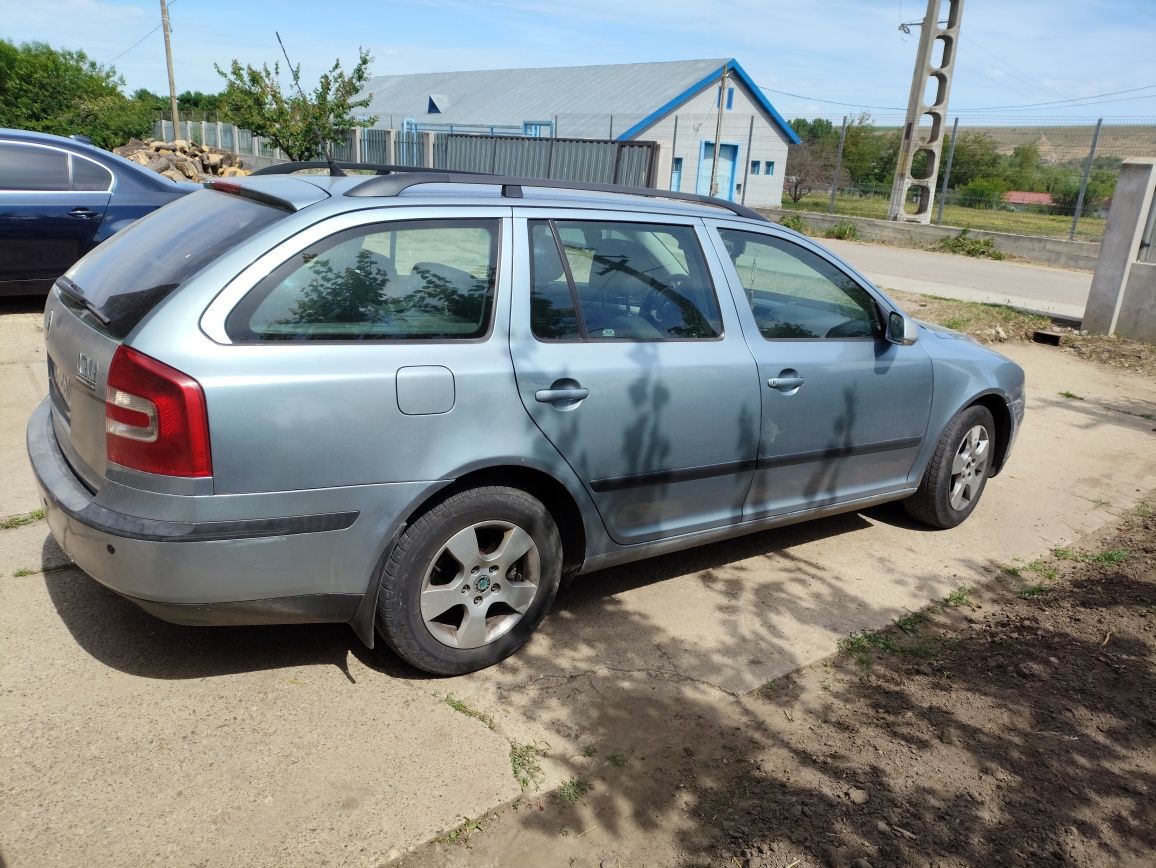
334 169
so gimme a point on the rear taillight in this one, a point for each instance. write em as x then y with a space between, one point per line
155 418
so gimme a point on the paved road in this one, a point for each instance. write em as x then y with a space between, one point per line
1033 287
130 741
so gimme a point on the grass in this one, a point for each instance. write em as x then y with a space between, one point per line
525 766
1041 569
33 571
462 708
961 596
572 792
964 245
974 318
589 751
1027 592
463 832
844 230
1016 222
617 760
910 623
21 520
794 221
1072 395
1107 558
860 645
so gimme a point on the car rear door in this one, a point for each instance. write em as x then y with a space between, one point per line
635 368
844 411
51 204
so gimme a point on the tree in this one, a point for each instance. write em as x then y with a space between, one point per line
300 125
1065 190
64 92
976 156
810 167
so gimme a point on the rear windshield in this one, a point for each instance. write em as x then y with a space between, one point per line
129 275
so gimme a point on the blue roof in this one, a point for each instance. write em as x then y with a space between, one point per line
706 81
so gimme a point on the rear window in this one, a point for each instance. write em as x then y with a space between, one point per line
131 273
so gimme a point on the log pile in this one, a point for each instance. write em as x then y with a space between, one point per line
182 160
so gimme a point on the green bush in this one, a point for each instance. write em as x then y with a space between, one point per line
794 221
844 230
982 193
965 245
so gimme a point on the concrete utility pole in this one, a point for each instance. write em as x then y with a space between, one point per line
169 61
926 141
722 95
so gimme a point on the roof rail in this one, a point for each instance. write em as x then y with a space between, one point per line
398 180
377 168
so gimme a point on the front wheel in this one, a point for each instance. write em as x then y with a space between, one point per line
958 470
470 580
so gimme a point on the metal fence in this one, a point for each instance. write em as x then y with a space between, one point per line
1047 177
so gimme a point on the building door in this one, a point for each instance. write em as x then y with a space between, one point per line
727 164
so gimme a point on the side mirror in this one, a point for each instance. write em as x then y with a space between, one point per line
901 329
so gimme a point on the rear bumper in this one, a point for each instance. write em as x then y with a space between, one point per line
291 569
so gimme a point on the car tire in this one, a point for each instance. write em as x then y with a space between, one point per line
958 470
470 580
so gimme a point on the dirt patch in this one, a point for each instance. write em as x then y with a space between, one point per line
1012 725
996 323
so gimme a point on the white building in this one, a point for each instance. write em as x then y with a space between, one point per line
676 104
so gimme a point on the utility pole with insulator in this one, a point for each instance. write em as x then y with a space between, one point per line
722 95
169 61
923 131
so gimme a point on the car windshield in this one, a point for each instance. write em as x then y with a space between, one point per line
132 272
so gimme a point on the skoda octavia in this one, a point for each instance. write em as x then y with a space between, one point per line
415 402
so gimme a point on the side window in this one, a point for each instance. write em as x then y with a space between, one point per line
87 175
30 167
620 281
795 293
430 279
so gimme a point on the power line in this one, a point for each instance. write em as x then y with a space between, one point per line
138 42
1007 67
1070 102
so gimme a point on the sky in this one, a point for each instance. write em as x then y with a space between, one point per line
816 58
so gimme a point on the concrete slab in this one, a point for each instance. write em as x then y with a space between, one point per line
1031 287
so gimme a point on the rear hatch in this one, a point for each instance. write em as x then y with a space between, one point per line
97 304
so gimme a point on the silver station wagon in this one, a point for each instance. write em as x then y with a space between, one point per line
417 401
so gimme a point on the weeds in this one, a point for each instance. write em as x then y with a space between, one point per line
1041 569
461 707
33 571
571 792
961 596
1110 558
910 623
617 760
589 751
21 520
844 230
525 766
794 221
964 245
1071 395
462 833
860 645
1028 592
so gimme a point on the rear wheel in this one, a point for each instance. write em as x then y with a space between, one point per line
469 581
958 470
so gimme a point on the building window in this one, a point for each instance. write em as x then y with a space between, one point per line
769 167
754 167
676 174
538 129
730 98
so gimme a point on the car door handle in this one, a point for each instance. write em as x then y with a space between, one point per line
83 213
785 384
554 396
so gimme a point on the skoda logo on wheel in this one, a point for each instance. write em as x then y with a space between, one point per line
482 584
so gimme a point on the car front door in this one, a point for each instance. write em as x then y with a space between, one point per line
843 409
51 204
632 368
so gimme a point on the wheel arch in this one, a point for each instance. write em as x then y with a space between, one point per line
996 404
553 494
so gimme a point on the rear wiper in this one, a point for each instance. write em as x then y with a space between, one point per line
67 287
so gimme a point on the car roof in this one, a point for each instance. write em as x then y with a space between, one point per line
440 188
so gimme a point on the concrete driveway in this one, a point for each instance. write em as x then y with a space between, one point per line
127 740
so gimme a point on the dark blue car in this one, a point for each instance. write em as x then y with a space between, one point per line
59 198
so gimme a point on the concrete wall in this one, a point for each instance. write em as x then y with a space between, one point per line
1058 252
696 124
1123 296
